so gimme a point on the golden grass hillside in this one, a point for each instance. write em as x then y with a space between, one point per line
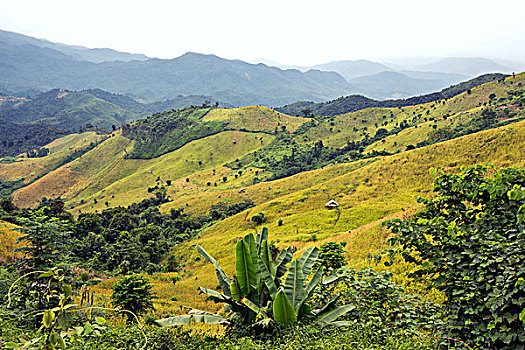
338 130
367 195
31 168
8 237
104 174
255 118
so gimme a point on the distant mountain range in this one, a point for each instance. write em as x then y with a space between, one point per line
383 81
29 65
34 64
77 52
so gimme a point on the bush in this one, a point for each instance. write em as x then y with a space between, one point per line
470 242
331 256
259 219
133 293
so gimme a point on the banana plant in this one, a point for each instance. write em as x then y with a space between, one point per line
257 293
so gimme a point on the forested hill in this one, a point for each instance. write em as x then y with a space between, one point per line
30 123
355 103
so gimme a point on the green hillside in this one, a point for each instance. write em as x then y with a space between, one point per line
141 198
354 103
253 144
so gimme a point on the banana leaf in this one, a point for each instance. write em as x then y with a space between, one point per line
224 280
328 317
308 259
294 284
244 268
283 311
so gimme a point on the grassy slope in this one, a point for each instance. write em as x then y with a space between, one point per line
458 107
31 168
255 118
104 174
367 195
8 237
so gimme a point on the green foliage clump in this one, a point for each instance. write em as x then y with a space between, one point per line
221 210
375 298
470 242
116 240
167 131
259 219
284 156
133 293
265 293
37 153
8 187
331 256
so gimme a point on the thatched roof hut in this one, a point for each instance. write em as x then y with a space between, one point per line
331 204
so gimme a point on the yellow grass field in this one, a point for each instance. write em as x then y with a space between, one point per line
367 195
8 237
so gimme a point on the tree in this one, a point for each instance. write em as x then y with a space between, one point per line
470 242
331 256
259 219
44 243
133 293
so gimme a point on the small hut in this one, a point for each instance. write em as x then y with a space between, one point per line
331 204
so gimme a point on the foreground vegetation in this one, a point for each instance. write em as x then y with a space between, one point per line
475 222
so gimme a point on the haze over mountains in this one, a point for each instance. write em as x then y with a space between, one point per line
29 65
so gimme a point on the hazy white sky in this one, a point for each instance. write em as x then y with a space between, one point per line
292 32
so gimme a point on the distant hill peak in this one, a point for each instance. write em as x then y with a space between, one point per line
81 53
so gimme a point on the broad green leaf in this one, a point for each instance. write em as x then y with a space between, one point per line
224 280
279 268
234 290
262 236
88 328
244 268
294 284
329 316
61 342
310 288
47 274
331 304
267 279
213 295
250 241
253 307
308 259
283 311
48 317
11 345
67 290
53 338
265 254
100 321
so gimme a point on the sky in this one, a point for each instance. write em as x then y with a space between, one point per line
286 31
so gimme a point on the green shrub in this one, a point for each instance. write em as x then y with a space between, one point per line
259 219
331 256
133 293
470 242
